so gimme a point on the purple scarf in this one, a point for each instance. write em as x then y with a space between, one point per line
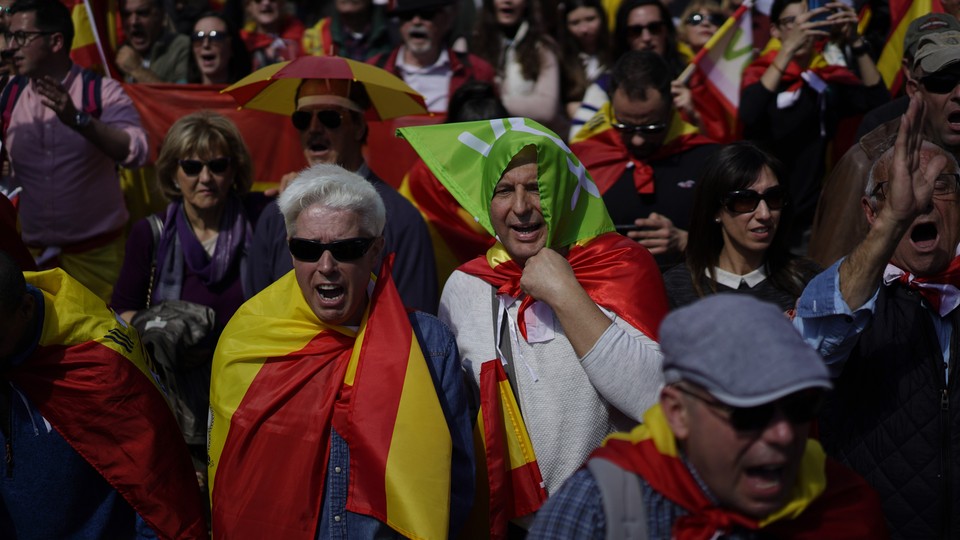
179 246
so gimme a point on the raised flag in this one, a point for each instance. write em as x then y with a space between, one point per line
902 13
90 24
716 72
282 380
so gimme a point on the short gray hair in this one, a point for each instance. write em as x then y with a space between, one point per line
334 188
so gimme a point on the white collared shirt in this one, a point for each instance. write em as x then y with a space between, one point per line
433 81
729 279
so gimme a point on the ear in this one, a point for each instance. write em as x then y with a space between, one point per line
58 43
377 247
361 133
912 86
868 209
675 411
774 31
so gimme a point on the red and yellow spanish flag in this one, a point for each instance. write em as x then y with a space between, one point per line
601 149
282 380
902 13
89 376
824 497
515 485
92 21
456 236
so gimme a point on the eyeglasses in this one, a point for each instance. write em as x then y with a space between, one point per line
945 185
799 408
20 36
330 119
747 200
696 19
192 167
347 250
940 83
636 30
643 129
212 35
424 14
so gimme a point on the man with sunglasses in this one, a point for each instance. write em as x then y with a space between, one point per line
726 450
64 148
885 320
329 117
839 224
644 156
336 413
153 51
424 60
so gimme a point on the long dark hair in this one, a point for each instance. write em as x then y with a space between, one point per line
574 76
240 63
488 43
736 166
621 44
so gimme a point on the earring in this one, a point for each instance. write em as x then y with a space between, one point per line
716 220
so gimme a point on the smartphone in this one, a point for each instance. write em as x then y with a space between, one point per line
814 4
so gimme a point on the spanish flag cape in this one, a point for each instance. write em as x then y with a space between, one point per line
602 150
89 377
792 75
282 379
456 236
615 271
828 501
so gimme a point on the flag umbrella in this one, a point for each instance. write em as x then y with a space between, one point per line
274 87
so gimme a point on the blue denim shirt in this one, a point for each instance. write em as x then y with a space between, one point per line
828 324
440 350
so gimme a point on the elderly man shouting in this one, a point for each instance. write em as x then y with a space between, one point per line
335 413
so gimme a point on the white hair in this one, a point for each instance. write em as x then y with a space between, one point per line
334 188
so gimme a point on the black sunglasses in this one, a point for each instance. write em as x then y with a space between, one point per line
747 200
330 119
644 129
697 19
636 30
424 14
940 83
347 250
799 408
212 35
192 167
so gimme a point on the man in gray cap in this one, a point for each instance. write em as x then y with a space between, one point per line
839 224
885 320
726 450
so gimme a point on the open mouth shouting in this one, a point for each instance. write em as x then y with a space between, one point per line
924 236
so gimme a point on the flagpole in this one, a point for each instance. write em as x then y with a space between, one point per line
717 36
96 39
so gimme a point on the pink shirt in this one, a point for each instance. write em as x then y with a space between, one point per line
71 191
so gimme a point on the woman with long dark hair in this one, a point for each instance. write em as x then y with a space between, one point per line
510 35
584 38
738 233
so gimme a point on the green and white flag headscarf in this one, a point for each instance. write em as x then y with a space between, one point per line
470 157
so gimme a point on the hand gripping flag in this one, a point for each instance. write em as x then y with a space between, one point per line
828 501
89 377
282 379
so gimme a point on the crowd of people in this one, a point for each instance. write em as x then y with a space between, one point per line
588 311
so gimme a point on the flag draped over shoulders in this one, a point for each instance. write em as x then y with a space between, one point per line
828 501
282 380
792 75
90 378
603 152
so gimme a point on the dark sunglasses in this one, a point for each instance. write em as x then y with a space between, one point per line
192 167
697 19
636 30
212 35
940 83
643 129
424 14
799 408
330 119
347 250
747 200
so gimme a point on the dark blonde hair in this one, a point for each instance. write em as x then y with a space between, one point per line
203 133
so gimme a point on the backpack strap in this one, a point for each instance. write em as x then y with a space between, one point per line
92 93
156 227
9 97
622 499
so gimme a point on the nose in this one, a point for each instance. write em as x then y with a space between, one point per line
636 139
326 263
521 201
780 431
762 211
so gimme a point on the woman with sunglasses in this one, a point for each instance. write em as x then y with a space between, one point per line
509 34
699 22
738 233
584 39
219 55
